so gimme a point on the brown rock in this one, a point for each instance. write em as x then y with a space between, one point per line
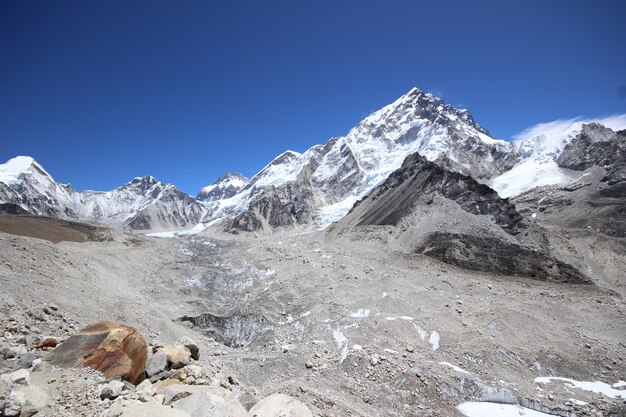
161 385
48 342
111 348
178 356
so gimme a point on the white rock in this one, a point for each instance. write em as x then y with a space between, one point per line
151 409
14 403
21 376
278 405
111 390
145 391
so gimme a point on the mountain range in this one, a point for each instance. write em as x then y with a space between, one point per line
320 186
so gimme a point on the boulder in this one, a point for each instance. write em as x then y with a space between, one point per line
111 348
280 405
191 345
36 399
145 391
157 363
177 356
48 342
13 404
21 376
111 390
175 393
151 409
203 404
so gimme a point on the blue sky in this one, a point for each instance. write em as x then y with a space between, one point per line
102 91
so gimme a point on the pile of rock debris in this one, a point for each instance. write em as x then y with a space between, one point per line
109 370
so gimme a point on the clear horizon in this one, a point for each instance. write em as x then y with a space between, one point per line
101 93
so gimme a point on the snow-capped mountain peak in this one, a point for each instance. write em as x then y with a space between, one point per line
538 149
12 171
143 203
226 186
346 168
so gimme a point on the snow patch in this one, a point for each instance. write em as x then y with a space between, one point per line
484 409
434 339
342 344
361 313
187 232
597 386
456 368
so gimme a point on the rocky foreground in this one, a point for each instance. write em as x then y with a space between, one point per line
109 370
339 326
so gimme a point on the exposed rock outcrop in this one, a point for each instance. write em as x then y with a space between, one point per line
497 256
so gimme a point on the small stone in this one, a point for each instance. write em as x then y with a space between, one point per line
309 365
111 390
145 391
375 360
191 345
177 356
21 376
156 363
14 403
410 349
48 342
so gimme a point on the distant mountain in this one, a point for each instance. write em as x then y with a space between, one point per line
323 183
538 156
142 204
225 187
319 186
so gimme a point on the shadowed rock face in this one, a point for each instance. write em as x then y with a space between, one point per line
418 177
288 205
496 256
599 146
113 349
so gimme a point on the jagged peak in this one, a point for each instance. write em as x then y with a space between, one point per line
11 170
230 175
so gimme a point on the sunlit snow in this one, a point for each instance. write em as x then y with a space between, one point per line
597 386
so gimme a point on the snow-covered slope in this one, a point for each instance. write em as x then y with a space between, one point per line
142 204
226 186
537 150
346 168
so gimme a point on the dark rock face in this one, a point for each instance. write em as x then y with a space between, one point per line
10 208
599 146
288 205
493 255
418 177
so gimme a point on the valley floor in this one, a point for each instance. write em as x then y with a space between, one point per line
349 328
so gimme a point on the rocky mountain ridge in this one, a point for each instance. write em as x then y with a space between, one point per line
319 186
226 186
142 204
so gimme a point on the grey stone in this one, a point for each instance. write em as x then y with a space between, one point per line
44 367
151 409
21 376
111 390
13 404
145 391
210 402
279 405
157 362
